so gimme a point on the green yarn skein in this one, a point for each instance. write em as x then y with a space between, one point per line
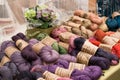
59 48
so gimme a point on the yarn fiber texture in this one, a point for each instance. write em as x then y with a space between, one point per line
48 54
27 52
16 57
94 60
78 42
76 74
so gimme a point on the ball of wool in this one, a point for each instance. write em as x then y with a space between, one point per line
112 24
48 54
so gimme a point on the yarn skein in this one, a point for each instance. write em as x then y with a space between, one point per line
15 55
5 73
79 42
73 74
93 60
26 50
68 58
47 53
102 37
113 49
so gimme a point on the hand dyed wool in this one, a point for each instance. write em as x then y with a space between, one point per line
73 74
5 73
26 50
113 49
48 54
15 55
79 42
68 58
93 60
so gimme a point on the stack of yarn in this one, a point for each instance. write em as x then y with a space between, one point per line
79 49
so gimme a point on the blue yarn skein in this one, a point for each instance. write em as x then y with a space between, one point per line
117 18
112 24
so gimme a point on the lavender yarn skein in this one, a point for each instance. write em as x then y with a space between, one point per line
16 57
94 70
27 52
37 61
75 72
94 60
5 73
49 55
21 63
78 42
68 58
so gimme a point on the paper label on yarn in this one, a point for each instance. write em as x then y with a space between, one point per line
78 66
72 24
21 44
37 47
106 47
40 78
66 27
65 45
63 72
50 76
89 48
83 57
65 36
4 60
116 35
110 40
48 41
10 50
